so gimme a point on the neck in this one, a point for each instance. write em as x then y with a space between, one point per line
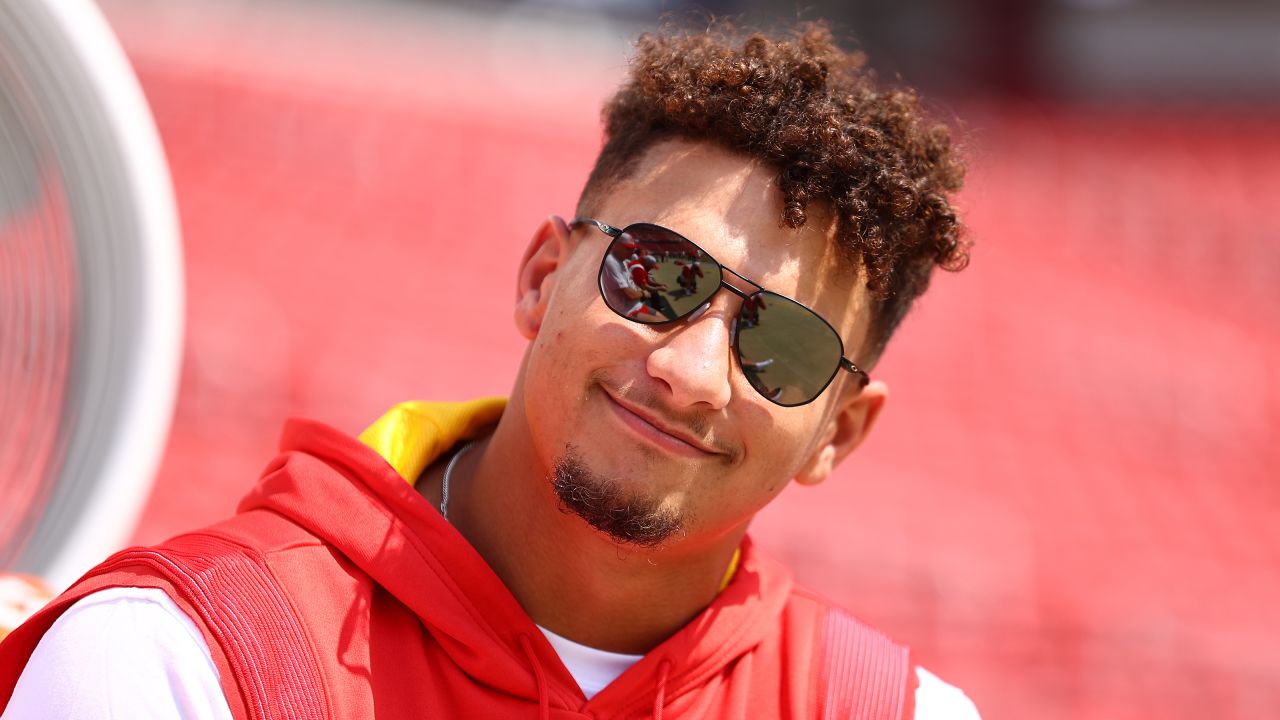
571 579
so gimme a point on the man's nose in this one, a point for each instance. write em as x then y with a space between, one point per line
695 359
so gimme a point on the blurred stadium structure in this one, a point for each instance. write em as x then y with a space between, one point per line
1071 509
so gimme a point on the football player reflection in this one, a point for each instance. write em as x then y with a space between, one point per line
615 279
751 308
688 278
748 319
646 268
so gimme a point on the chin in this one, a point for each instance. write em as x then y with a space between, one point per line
613 506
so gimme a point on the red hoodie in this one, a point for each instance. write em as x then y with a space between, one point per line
338 592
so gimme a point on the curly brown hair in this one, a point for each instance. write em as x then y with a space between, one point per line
815 112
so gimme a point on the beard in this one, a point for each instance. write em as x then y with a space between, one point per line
606 506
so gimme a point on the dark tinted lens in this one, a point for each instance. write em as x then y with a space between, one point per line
787 352
652 275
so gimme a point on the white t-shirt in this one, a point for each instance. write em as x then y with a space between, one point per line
594 669
132 653
120 653
616 280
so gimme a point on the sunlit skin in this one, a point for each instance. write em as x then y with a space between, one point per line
664 410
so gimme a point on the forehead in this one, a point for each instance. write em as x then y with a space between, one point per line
730 206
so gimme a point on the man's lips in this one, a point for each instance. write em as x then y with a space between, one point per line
662 433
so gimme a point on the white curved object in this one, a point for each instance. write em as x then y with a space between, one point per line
82 113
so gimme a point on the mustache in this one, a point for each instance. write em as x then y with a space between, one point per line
695 423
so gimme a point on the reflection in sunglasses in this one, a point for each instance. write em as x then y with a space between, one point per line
668 271
653 275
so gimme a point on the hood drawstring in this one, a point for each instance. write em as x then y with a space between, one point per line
664 671
544 700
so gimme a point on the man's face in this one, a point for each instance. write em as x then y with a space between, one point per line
658 421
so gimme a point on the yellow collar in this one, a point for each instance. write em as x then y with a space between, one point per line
413 434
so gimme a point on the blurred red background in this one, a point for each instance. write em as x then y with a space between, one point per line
1070 508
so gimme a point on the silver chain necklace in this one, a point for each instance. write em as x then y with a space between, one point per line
448 471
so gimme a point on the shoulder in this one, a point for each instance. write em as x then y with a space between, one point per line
117 653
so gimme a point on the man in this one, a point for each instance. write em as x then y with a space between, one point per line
689 274
580 549
616 281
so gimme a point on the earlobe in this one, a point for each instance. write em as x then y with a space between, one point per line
844 431
536 278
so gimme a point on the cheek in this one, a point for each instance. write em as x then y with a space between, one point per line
780 453
571 344
579 333
778 445
565 337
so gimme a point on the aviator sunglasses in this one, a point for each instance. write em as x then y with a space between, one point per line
652 275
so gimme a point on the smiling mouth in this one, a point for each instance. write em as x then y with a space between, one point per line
653 430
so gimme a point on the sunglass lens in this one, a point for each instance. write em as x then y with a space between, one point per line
787 353
652 275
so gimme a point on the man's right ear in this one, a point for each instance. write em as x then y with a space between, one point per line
536 279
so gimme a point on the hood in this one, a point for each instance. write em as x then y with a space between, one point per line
353 494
